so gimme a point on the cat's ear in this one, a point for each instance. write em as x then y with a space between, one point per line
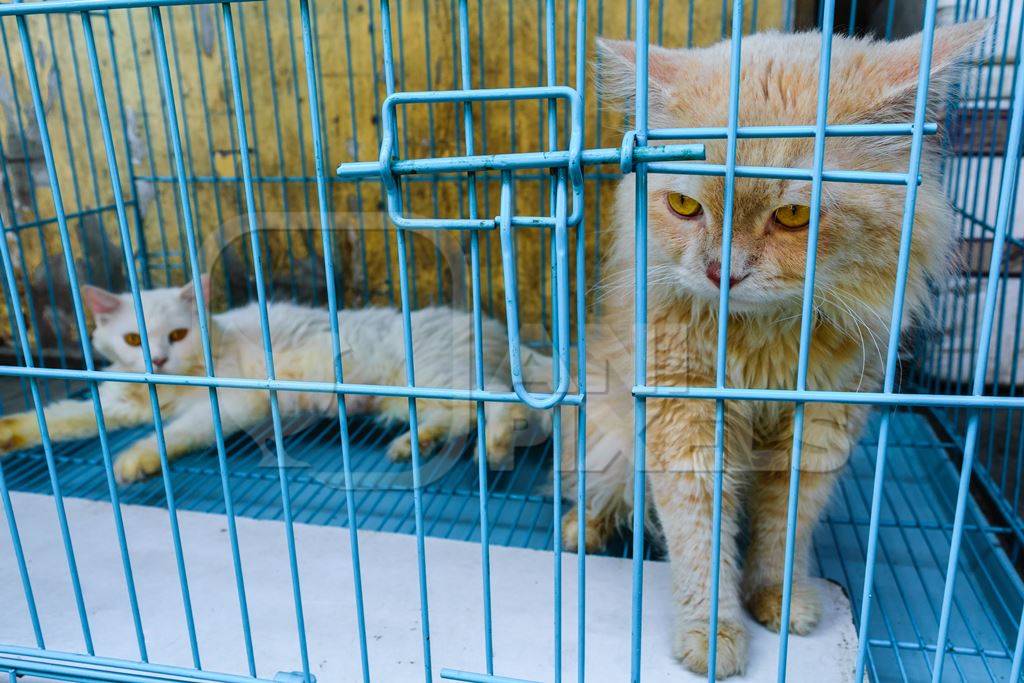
188 292
100 301
898 66
615 72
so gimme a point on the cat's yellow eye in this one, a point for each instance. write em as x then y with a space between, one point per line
793 216
177 335
684 205
133 339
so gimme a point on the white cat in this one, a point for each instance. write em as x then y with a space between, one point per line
373 352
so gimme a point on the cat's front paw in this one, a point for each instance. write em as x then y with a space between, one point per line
139 462
765 605
18 431
500 451
691 647
400 448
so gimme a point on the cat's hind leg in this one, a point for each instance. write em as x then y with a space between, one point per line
601 527
507 426
608 472
441 421
437 421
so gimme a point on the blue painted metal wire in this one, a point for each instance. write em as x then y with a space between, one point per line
395 207
903 262
952 611
806 323
723 324
478 360
262 295
639 348
1003 225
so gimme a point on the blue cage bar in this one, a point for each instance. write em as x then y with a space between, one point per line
122 168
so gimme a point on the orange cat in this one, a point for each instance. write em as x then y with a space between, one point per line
857 253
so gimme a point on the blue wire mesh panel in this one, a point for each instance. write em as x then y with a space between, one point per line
978 160
144 143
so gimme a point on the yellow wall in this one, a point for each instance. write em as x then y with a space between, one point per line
268 35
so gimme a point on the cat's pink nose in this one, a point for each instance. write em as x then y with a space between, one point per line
714 273
159 361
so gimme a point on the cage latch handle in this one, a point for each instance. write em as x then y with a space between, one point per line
560 286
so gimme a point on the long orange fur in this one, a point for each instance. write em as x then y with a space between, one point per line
856 272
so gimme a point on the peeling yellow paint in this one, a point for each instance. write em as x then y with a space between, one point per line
268 36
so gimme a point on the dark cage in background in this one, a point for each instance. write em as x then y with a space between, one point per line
143 142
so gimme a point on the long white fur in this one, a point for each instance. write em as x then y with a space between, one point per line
372 349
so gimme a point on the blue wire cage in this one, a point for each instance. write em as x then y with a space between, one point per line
145 142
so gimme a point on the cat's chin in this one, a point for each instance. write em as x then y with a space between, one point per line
746 308
141 369
738 302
